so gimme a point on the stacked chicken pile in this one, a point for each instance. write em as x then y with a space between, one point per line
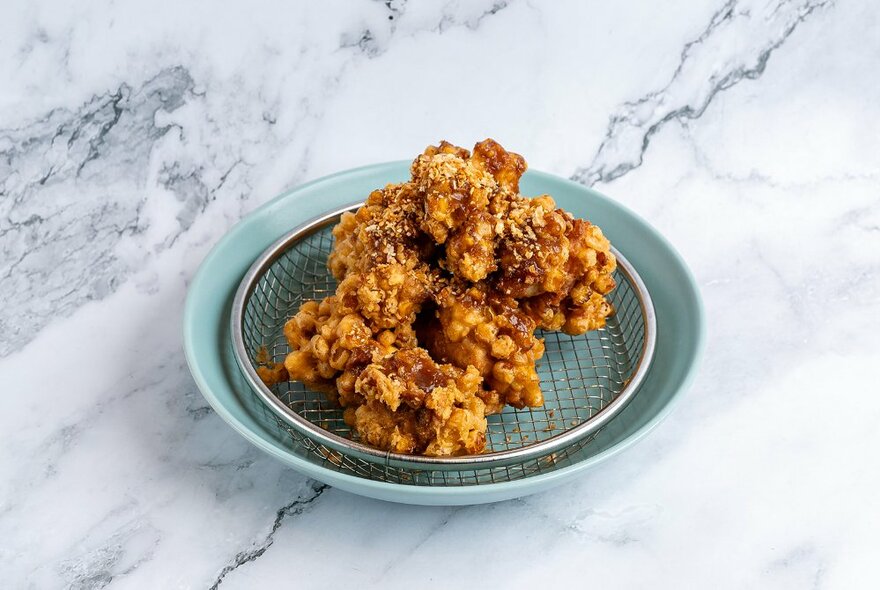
443 281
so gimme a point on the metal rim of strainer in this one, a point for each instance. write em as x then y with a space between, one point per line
493 459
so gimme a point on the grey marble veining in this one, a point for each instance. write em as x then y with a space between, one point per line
697 79
133 136
291 510
59 214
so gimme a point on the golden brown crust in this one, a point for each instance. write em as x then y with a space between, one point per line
331 343
414 405
458 252
475 326
533 247
456 198
389 295
578 304
506 167
386 230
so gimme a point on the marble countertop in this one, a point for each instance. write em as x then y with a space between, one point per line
133 135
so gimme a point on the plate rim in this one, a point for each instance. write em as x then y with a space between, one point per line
424 494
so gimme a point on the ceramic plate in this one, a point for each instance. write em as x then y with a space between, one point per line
680 330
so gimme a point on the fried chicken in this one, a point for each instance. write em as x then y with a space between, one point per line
397 397
578 304
443 281
414 405
533 247
485 329
380 257
456 197
331 343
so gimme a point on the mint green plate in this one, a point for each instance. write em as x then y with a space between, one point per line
680 330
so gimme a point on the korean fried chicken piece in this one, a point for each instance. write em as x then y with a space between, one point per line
384 231
573 315
395 395
470 251
475 326
331 343
533 247
414 405
579 304
379 256
506 167
456 195
559 267
389 295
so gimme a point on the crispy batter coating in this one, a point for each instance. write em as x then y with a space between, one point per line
505 167
384 231
533 247
578 305
476 326
414 405
380 257
388 296
331 343
456 194
457 262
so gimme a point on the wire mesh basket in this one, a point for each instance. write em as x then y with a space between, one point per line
586 380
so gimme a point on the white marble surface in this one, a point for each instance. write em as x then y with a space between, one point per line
134 134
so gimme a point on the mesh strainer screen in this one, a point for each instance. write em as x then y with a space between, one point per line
580 375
